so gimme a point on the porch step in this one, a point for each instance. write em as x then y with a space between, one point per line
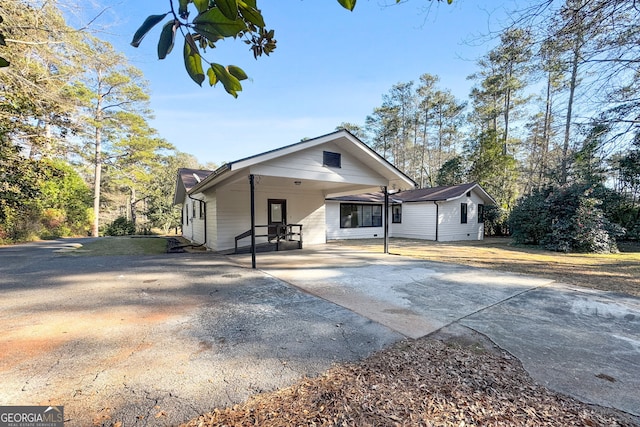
284 245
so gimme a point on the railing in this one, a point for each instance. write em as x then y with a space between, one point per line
276 233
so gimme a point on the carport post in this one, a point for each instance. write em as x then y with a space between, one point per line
386 220
253 222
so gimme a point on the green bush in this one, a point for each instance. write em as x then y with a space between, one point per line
565 219
121 226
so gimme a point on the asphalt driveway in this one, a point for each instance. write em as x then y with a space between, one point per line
156 340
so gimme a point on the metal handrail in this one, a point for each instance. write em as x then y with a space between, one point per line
283 232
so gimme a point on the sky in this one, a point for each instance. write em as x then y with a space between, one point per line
330 66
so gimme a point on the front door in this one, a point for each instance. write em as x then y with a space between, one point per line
277 216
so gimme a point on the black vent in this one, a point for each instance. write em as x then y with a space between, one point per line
332 160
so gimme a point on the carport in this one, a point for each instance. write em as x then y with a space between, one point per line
282 189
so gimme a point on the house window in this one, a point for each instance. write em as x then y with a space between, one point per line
193 209
463 213
396 214
480 213
186 214
332 160
468 193
201 207
356 216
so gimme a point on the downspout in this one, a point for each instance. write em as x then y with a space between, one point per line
205 221
437 217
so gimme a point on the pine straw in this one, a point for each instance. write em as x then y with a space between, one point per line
425 382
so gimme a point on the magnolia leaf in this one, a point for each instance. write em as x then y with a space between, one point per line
212 77
349 4
147 25
3 62
208 31
251 14
201 5
229 8
192 60
167 38
237 72
231 84
220 23
182 9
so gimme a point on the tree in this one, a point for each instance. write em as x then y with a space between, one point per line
135 155
110 91
35 106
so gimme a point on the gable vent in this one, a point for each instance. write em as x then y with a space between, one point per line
332 160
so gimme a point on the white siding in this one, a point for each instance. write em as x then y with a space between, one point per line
451 229
193 225
418 222
307 164
233 207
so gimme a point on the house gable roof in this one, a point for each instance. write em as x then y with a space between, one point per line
348 142
186 180
434 194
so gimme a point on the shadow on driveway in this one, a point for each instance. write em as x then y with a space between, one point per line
158 340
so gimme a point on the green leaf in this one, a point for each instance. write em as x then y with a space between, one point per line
229 8
231 84
208 31
251 14
201 5
192 60
220 23
349 4
167 38
237 72
212 77
3 62
182 8
147 25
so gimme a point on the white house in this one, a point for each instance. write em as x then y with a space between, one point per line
441 213
282 192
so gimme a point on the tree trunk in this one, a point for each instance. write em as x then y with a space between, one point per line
96 184
572 89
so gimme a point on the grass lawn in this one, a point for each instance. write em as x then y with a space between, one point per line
125 245
610 272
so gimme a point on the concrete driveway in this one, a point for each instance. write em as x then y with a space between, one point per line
579 342
157 340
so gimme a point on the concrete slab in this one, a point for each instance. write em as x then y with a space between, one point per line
413 297
579 342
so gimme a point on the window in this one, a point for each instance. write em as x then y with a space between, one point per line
201 209
332 160
468 193
480 213
396 214
356 216
463 213
186 214
193 209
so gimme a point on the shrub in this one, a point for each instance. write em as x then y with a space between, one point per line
121 226
565 219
